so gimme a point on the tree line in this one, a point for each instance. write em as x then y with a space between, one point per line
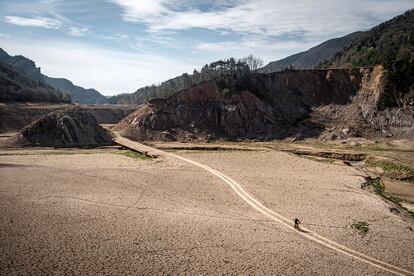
235 68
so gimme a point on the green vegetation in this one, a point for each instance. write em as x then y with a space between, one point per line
133 154
378 185
394 170
392 45
361 226
320 159
379 146
230 72
389 41
16 87
380 190
399 88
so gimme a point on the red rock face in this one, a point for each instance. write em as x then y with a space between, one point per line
262 106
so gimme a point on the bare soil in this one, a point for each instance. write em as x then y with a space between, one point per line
99 212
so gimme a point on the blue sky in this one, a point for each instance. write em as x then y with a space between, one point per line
118 46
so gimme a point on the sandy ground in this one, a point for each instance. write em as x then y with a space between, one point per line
97 212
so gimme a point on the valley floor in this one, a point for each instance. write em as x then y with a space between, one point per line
102 212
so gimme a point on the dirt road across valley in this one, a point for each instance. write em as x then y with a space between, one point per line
254 203
96 212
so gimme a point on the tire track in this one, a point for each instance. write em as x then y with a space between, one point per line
308 234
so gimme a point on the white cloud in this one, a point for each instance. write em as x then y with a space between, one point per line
322 18
49 23
114 37
142 8
110 72
268 28
78 31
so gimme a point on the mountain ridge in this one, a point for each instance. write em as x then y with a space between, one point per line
87 95
390 44
17 87
303 60
388 41
28 67
312 57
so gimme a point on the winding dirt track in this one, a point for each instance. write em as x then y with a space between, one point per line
306 233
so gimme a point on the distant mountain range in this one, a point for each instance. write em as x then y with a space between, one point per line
390 44
390 41
28 68
312 57
79 94
304 60
17 87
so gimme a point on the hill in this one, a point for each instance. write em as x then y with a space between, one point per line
312 57
307 59
326 104
28 68
16 87
183 82
78 93
70 127
23 65
390 44
389 41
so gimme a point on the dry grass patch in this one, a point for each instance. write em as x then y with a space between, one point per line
134 154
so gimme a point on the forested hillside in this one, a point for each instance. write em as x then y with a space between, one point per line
16 87
312 57
392 45
170 87
389 41
28 68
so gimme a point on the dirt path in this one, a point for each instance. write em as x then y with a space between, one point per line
306 233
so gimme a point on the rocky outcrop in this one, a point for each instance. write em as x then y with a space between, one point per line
300 104
72 127
365 115
15 116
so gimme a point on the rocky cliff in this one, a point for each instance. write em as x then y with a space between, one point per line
305 103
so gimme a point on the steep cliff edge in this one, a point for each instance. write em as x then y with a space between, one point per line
305 103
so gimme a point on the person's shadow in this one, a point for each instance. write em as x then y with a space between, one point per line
301 230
